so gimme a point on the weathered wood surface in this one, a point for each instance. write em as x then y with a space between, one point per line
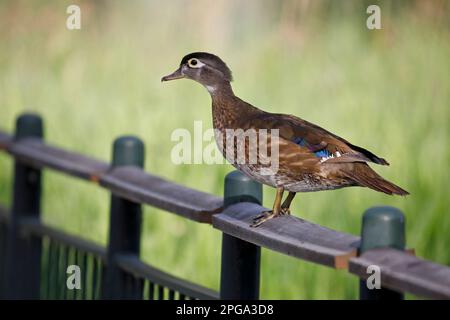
5 140
37 154
136 185
404 272
131 183
133 265
288 235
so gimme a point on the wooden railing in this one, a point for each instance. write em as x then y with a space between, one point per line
33 256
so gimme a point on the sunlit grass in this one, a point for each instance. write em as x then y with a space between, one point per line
386 90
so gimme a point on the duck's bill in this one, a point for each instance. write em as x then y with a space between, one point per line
173 76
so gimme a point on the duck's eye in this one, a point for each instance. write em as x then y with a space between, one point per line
194 63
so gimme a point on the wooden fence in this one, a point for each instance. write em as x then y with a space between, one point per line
34 257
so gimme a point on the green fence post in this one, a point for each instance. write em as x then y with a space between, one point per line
125 220
239 278
22 274
381 227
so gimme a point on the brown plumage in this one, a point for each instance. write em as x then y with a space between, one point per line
310 157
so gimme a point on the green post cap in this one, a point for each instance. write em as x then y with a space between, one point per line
383 227
128 151
240 188
29 125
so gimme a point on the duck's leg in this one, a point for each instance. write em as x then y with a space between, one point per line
285 207
275 212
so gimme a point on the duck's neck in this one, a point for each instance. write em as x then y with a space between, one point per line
225 106
220 90
227 109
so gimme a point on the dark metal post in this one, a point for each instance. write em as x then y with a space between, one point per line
22 274
239 278
381 227
125 219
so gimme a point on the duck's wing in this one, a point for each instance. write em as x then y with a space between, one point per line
325 145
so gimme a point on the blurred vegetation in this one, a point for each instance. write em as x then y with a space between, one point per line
387 90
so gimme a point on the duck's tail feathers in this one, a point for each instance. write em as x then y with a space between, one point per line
364 176
370 156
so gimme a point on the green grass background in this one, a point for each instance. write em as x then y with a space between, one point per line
386 90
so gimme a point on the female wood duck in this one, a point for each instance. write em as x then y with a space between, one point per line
310 157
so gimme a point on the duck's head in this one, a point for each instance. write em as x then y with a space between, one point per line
205 68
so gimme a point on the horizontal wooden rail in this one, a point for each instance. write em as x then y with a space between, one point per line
133 265
130 183
289 235
34 227
136 185
37 154
404 272
5 140
130 263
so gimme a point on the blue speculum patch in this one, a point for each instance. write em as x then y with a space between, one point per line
322 153
319 154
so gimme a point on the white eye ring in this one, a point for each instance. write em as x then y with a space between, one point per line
195 63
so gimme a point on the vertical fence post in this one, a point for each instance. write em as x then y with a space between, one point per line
239 278
381 227
125 219
22 274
